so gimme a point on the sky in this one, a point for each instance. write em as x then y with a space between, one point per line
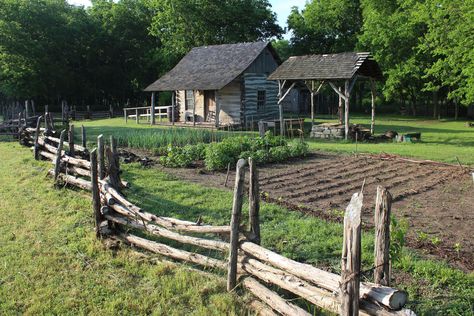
281 7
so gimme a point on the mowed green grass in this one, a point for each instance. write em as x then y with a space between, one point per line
442 140
50 261
52 264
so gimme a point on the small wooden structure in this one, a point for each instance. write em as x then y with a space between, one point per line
222 85
334 69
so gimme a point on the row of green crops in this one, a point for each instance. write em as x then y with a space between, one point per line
158 139
217 155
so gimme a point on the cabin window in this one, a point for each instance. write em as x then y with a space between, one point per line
261 99
189 102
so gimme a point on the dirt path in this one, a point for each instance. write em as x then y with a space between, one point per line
437 201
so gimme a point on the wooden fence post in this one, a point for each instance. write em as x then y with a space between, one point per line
350 263
83 133
254 203
235 223
95 192
101 156
71 140
57 165
113 164
383 205
37 132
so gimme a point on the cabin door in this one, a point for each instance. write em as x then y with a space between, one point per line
209 105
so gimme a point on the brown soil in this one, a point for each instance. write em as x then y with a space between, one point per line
436 200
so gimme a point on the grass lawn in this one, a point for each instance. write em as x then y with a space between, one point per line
51 262
441 140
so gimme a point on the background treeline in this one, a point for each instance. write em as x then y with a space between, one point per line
52 51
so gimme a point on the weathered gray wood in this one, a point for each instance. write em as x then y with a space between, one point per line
72 180
95 192
350 261
113 171
341 112
235 224
173 252
37 132
261 309
272 299
101 156
173 106
383 205
71 140
59 153
254 203
218 107
165 233
83 133
152 109
346 109
372 93
128 209
77 148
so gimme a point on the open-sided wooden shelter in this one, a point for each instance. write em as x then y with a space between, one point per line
223 84
334 69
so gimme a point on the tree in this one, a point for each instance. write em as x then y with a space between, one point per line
325 26
182 25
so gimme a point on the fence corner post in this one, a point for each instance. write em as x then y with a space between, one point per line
383 206
83 133
71 140
254 202
95 192
113 165
101 156
37 132
59 153
235 224
351 257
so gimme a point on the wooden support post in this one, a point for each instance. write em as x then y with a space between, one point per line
95 192
218 108
137 118
173 106
59 153
113 165
341 112
312 104
33 108
152 109
101 156
37 132
125 115
194 109
346 110
350 262
254 203
235 224
27 110
383 205
83 133
372 92
71 140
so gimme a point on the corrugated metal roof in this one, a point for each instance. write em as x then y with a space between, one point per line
327 67
209 67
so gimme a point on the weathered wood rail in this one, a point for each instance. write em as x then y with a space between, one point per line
234 247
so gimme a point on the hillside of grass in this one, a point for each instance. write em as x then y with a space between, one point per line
52 263
442 140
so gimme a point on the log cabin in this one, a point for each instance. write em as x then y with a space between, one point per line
223 85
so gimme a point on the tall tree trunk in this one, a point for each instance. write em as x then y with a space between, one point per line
456 110
435 104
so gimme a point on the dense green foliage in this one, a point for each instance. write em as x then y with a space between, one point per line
51 50
218 155
425 48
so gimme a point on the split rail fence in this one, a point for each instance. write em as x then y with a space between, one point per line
235 249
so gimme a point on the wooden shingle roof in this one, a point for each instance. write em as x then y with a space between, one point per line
210 67
328 67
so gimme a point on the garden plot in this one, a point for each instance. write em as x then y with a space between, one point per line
435 200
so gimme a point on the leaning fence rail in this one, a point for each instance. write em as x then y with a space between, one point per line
235 248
